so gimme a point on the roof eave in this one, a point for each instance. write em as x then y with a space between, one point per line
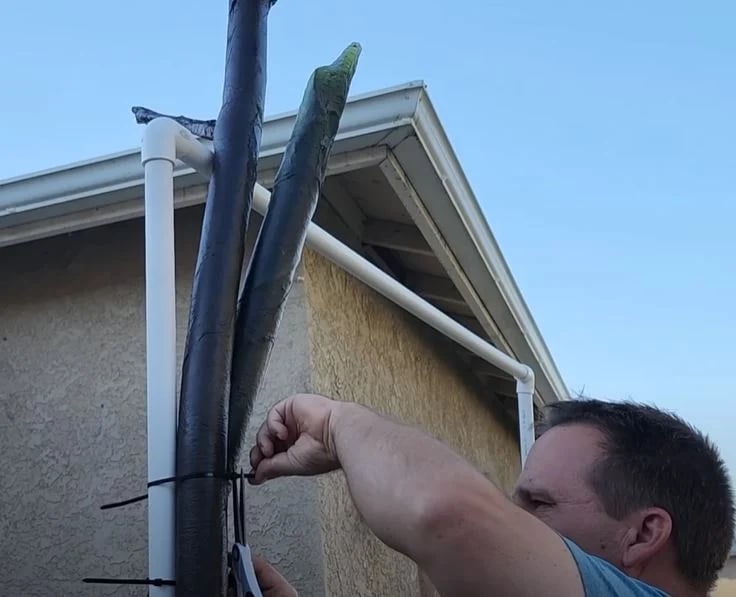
107 189
65 189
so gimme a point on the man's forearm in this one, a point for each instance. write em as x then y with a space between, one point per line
400 478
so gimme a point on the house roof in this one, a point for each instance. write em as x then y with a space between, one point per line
395 192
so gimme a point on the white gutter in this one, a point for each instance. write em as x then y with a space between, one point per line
164 141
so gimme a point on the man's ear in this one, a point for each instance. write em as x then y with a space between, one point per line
650 530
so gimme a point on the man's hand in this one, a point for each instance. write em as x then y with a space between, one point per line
296 439
271 583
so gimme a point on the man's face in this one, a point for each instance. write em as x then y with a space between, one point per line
553 487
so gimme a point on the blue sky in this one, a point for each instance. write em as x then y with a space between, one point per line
598 137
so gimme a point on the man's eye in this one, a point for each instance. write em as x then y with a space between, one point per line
540 504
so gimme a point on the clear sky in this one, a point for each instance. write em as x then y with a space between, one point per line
598 137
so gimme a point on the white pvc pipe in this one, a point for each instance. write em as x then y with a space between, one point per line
163 141
343 256
160 367
525 406
354 263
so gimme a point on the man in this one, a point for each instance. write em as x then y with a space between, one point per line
615 499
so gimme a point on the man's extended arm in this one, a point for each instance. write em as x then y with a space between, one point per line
420 498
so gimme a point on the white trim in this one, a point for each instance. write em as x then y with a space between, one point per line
93 217
447 166
185 196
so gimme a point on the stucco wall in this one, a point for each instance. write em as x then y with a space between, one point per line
72 416
365 349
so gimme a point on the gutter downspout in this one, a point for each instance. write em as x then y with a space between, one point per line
165 141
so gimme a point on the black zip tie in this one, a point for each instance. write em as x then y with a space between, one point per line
154 582
242 505
140 498
239 505
238 513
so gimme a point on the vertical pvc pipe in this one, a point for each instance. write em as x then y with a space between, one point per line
160 369
525 402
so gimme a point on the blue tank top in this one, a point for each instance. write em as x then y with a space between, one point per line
601 579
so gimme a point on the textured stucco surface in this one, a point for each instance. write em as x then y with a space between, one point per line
365 349
72 416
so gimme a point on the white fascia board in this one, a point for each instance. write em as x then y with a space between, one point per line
475 235
99 209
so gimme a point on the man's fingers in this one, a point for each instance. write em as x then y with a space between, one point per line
275 424
270 581
271 437
255 457
274 429
264 441
270 468
265 573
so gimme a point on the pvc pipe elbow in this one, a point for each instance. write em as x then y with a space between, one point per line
166 139
525 385
159 140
